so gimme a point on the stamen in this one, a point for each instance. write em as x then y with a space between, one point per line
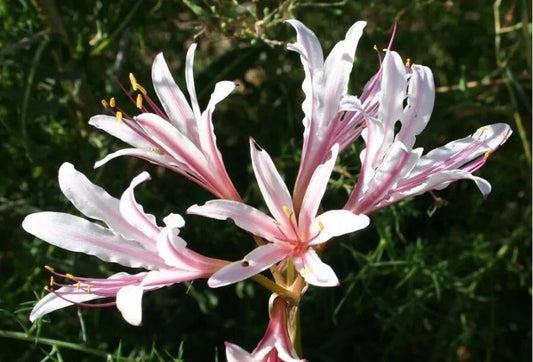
287 211
139 101
157 151
78 286
89 289
320 225
70 276
112 102
119 116
49 268
52 281
408 63
104 103
135 85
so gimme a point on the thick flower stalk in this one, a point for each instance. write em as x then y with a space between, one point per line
325 84
180 138
276 344
290 236
391 169
132 238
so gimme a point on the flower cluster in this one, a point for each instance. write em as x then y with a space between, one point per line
290 239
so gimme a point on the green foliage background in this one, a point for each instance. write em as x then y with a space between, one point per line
453 286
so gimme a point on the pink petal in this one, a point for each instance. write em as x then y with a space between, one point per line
255 262
272 187
244 216
120 130
315 191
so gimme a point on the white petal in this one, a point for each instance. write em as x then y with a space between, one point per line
134 213
336 223
420 101
79 235
172 98
94 201
189 78
51 302
129 303
314 271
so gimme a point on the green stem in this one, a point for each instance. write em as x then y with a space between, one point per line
54 342
275 288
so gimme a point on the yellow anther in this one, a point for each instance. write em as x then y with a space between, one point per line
49 268
112 102
119 116
408 62
104 103
46 288
305 271
135 85
52 281
70 276
139 101
89 289
376 47
320 225
78 286
133 81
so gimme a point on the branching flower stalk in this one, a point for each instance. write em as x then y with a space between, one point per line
290 238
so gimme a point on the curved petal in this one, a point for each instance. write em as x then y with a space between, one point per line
79 235
336 223
313 270
134 213
172 141
129 300
52 301
244 216
315 191
235 353
254 262
172 98
420 101
152 156
121 131
189 78
273 189
337 69
393 93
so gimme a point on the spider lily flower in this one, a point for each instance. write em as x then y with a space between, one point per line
391 169
324 85
180 137
132 238
289 235
276 344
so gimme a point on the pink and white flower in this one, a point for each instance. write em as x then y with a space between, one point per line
180 138
289 235
391 169
132 238
325 84
276 344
